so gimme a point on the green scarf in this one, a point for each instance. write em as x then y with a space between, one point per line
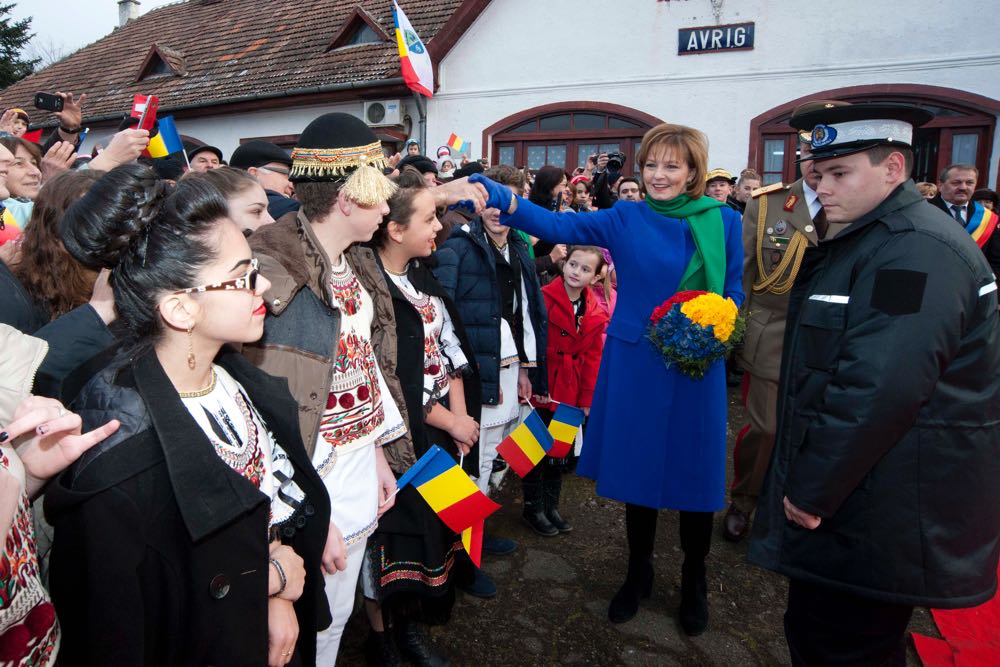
707 269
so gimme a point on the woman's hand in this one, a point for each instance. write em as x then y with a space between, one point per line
386 483
523 385
124 147
294 569
282 632
55 441
57 159
465 432
335 551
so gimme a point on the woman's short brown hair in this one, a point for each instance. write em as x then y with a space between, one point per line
690 144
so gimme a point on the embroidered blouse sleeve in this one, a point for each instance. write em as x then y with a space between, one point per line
451 347
394 426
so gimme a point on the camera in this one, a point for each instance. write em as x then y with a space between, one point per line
616 161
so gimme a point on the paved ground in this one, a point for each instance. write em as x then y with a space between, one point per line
553 595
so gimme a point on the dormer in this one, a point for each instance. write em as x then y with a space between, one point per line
162 61
359 28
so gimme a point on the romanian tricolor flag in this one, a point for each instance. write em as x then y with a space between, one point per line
456 142
564 426
527 445
472 540
451 494
166 140
9 229
414 60
982 224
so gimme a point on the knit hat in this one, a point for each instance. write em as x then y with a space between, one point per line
339 147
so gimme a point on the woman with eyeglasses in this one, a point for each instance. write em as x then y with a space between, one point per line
194 535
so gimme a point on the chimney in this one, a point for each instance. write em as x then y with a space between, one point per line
127 10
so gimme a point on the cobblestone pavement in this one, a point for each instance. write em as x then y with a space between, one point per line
551 608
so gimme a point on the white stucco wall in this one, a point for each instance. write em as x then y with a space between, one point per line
524 53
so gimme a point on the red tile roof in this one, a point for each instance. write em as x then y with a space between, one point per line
235 50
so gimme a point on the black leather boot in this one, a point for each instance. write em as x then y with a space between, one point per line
551 489
380 650
638 584
693 612
415 645
534 506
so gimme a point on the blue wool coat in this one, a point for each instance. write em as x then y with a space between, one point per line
655 437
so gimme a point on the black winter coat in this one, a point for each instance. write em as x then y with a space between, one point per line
410 360
889 414
466 270
161 549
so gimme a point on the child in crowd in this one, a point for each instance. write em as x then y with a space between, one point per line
576 338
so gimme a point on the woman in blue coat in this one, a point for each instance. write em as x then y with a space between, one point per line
655 439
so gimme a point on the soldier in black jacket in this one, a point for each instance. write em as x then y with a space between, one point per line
882 487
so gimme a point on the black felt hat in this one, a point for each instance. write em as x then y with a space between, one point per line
339 147
474 167
257 154
421 163
843 130
201 149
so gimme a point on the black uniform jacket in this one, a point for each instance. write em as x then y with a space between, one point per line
889 414
161 549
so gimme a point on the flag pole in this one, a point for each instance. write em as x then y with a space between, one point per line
418 99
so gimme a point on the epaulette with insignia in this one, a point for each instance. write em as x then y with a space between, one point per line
767 189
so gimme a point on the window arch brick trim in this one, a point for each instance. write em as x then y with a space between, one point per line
565 107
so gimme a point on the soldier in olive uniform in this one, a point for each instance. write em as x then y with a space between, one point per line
780 221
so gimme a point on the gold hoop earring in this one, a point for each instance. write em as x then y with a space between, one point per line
191 363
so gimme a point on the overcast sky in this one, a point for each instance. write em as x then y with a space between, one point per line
67 25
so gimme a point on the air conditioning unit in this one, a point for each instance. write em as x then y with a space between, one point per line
383 112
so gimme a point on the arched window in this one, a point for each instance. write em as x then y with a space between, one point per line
962 130
565 134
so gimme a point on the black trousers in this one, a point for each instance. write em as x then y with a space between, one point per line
824 626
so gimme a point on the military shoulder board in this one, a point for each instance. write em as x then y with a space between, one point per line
774 187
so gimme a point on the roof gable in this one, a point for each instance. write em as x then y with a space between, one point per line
356 23
162 61
241 50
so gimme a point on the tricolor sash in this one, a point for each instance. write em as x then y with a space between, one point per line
982 224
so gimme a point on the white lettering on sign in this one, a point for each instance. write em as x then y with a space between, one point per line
740 37
715 38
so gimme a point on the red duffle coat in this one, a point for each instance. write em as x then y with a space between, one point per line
574 357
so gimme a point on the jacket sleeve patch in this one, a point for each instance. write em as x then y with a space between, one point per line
898 292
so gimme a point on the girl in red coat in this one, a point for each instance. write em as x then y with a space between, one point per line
576 338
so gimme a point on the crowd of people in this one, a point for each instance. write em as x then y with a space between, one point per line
213 373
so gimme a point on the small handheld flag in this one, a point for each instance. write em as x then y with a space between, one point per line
527 445
456 142
414 60
472 540
449 491
564 426
166 140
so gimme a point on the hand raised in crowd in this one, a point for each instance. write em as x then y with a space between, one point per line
57 159
335 551
7 121
55 439
386 483
462 192
71 115
523 385
293 568
124 147
394 160
602 162
282 632
102 299
558 253
465 432
800 517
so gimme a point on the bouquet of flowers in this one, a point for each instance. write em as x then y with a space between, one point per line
692 330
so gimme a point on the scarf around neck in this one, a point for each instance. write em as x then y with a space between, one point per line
707 268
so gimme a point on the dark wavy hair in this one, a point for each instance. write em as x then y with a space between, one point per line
546 180
411 182
151 236
56 282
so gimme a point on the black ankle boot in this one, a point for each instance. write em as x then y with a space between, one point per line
693 613
380 650
551 489
537 521
415 646
638 584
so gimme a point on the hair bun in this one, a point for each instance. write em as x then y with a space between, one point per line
112 220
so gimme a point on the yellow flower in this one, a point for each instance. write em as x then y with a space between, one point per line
711 310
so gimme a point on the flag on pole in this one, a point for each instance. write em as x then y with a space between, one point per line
449 491
456 142
527 445
564 426
472 540
414 60
166 140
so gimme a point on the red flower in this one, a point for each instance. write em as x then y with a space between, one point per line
363 393
680 297
346 401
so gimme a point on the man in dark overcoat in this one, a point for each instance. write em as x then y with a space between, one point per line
881 494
